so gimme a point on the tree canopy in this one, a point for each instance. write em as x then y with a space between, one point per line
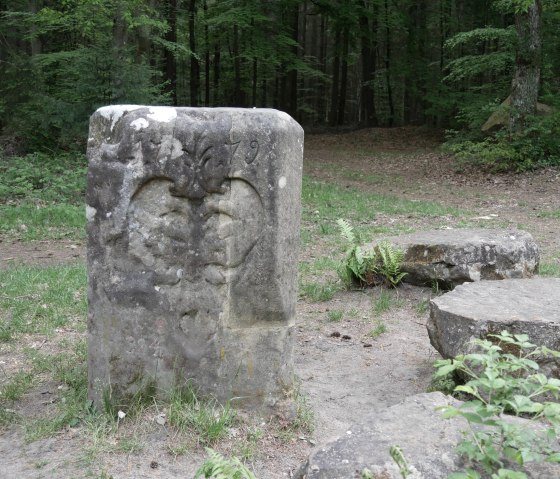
444 63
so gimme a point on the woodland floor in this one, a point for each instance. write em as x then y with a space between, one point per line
342 378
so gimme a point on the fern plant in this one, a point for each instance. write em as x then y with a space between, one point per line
217 466
389 263
381 265
358 266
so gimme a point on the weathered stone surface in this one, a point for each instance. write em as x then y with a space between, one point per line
473 310
193 233
426 439
452 257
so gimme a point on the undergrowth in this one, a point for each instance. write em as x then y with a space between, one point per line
504 379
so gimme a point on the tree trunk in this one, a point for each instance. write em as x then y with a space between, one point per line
169 60
333 116
526 80
237 92
343 78
293 73
195 65
388 66
206 56
217 97
367 104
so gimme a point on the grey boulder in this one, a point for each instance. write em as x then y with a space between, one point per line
427 441
452 257
474 310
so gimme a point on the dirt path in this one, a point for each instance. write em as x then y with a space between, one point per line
343 378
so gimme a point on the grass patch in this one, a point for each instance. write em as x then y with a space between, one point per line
40 300
550 270
318 291
378 330
335 315
322 201
555 214
17 386
385 301
38 222
207 420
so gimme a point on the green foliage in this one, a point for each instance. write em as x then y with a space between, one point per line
217 466
389 260
82 61
205 418
318 291
400 460
504 378
43 178
380 265
39 300
534 146
357 266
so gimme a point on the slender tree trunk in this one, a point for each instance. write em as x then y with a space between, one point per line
367 103
119 42
217 97
333 116
206 56
526 80
195 64
169 60
293 73
36 45
388 66
343 78
237 93
321 85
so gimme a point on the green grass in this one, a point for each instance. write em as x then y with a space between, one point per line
318 291
335 315
318 266
34 222
385 301
322 201
550 269
40 300
18 385
555 214
378 330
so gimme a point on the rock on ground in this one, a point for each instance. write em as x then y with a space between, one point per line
473 310
452 257
427 441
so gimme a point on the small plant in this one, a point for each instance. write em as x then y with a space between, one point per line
398 456
358 265
378 330
378 266
389 263
219 467
504 378
335 315
318 292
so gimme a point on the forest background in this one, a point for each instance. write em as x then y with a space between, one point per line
329 63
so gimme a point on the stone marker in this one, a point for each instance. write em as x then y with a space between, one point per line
427 441
473 310
452 257
193 236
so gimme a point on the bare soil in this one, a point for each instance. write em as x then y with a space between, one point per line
343 370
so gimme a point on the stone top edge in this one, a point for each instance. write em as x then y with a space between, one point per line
110 110
479 233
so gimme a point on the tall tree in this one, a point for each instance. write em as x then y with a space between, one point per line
526 80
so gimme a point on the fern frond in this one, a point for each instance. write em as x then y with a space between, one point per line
217 466
347 231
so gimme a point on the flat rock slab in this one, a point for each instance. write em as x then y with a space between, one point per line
427 440
474 310
452 257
